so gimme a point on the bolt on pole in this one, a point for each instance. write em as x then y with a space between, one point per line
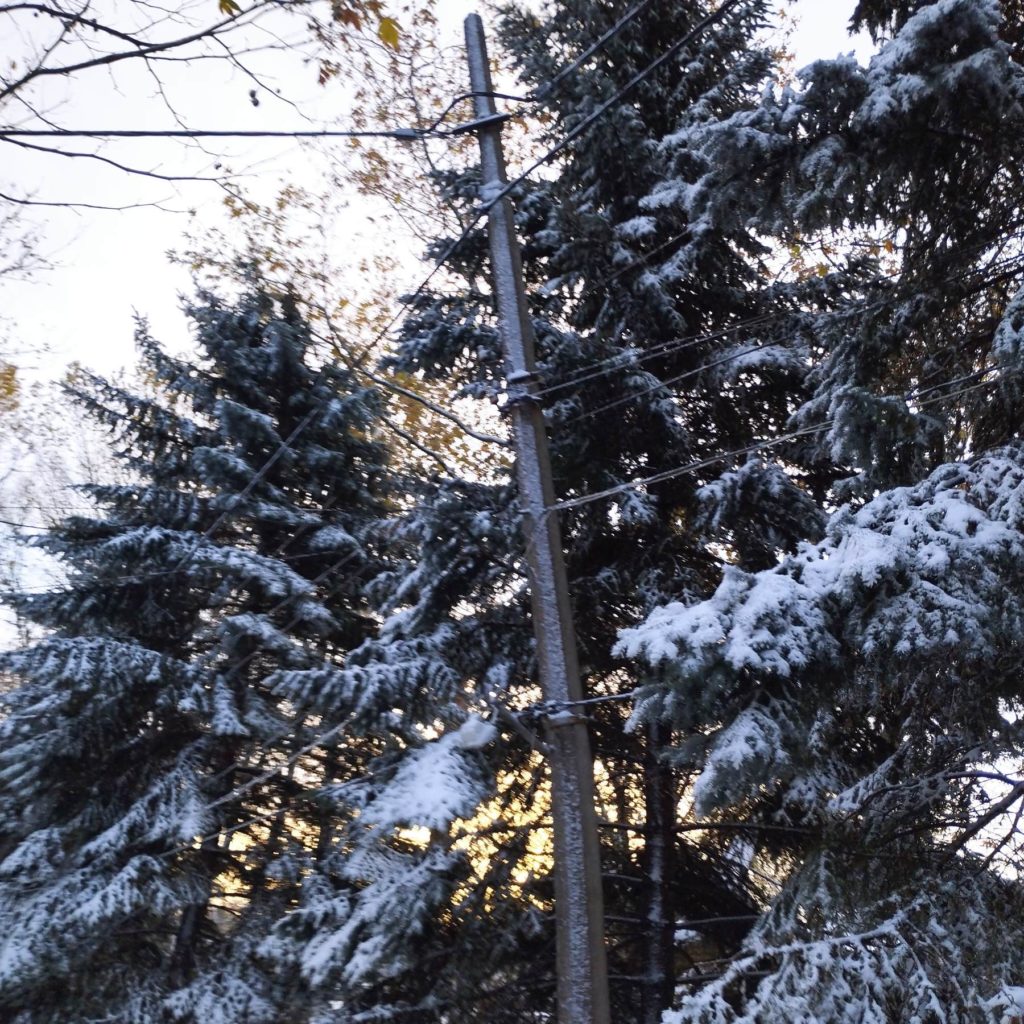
579 904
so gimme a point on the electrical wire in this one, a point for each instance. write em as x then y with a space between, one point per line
690 467
544 91
653 388
638 79
507 189
550 707
23 526
914 394
502 194
540 708
909 396
441 261
552 152
432 128
630 357
757 446
398 134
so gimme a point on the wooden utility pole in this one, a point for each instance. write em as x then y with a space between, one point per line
579 905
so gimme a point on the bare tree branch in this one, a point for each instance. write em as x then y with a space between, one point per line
127 168
75 204
54 41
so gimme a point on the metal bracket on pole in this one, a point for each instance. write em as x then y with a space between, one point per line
520 385
479 122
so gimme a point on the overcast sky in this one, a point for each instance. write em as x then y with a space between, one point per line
111 263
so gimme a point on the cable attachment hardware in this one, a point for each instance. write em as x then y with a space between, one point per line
520 385
562 719
552 714
480 122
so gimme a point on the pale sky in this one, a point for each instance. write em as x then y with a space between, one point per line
111 263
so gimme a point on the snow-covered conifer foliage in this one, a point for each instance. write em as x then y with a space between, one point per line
862 696
914 162
867 694
279 754
168 848
660 343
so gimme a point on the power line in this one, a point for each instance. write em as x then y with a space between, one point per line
554 707
909 396
963 391
914 394
461 98
23 526
480 211
631 356
503 192
399 134
544 91
638 79
539 708
692 467
497 195
432 130
492 200
686 374
722 361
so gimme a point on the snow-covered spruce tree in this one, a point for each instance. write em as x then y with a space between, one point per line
159 815
912 165
689 365
884 725
865 691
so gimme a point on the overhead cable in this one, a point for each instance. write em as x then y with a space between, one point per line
399 134
545 90
757 446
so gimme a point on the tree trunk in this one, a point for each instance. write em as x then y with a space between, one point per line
659 940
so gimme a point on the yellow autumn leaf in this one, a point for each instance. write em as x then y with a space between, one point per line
888 246
8 387
387 31
228 7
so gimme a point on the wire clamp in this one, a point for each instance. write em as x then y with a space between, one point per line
552 714
480 122
520 386
562 719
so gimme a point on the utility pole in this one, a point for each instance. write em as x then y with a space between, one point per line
579 904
